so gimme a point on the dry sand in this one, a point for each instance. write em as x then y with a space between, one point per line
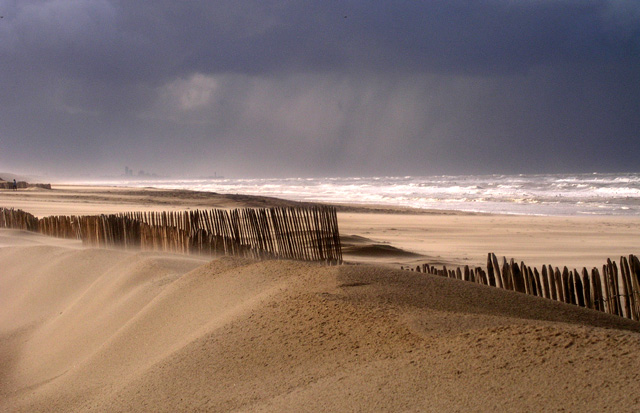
107 330
466 239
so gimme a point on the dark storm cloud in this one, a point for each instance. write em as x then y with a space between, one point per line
320 87
143 40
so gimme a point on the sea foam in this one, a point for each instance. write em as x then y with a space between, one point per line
543 194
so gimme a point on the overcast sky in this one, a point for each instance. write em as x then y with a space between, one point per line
319 88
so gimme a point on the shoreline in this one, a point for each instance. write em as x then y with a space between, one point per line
522 194
189 198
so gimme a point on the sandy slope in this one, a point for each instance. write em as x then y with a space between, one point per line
86 329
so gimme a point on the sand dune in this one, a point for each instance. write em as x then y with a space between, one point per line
86 329
356 248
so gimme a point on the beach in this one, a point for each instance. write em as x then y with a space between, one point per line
414 235
111 330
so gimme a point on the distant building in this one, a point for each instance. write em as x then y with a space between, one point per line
140 174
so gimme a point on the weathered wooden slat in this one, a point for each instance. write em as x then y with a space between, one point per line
557 279
634 275
497 272
626 289
586 287
564 285
538 281
578 289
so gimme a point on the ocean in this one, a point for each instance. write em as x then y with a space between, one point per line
542 194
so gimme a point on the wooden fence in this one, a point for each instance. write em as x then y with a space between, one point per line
613 291
309 234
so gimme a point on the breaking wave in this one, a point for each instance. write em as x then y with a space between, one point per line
545 194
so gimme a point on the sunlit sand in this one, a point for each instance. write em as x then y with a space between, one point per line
112 330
